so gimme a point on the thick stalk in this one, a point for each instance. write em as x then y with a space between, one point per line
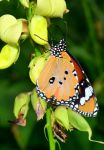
49 130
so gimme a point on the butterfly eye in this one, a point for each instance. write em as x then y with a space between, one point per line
51 80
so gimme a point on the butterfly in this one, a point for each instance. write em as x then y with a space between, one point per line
63 82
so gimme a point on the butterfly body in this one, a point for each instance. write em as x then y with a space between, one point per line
63 82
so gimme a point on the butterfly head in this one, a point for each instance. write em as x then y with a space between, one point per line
58 48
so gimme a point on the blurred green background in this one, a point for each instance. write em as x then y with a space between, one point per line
83 29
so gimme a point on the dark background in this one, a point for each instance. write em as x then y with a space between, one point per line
83 29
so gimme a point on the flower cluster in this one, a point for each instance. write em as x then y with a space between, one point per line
34 26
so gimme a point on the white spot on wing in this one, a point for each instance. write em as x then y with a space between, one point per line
71 106
91 88
82 101
87 79
41 94
88 92
58 103
72 103
75 108
95 109
95 113
76 105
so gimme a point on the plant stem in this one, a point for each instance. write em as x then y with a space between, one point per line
49 130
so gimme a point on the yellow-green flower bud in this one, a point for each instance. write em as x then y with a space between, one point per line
5 22
58 126
8 55
10 29
38 29
36 66
51 8
21 106
61 116
25 30
38 104
78 122
25 3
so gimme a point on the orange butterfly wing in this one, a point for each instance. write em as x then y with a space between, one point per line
59 89
63 82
